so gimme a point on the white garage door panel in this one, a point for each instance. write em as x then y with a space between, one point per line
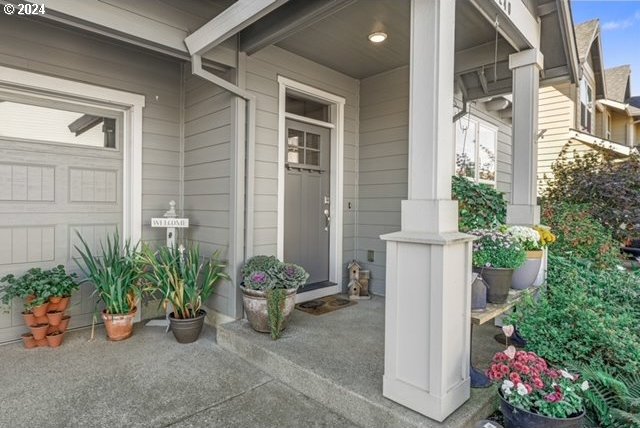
48 192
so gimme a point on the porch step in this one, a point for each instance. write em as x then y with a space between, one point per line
337 359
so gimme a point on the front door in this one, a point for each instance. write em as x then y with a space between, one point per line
307 201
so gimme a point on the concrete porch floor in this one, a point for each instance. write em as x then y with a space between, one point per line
338 359
148 380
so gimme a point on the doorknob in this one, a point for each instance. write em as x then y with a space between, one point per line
327 219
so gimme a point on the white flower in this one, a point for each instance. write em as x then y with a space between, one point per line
565 374
584 385
522 390
506 387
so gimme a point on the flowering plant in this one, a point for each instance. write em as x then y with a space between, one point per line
527 237
496 249
267 273
546 236
528 382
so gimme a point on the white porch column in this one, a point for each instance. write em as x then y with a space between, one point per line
427 317
523 207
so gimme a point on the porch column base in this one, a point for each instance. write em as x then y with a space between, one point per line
524 215
427 321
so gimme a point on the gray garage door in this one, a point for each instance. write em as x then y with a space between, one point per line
60 172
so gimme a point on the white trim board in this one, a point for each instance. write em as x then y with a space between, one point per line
336 125
129 104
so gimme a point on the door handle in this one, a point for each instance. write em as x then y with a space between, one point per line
327 219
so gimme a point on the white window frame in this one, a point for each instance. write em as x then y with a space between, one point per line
130 105
586 124
478 123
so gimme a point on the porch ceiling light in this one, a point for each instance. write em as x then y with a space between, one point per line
377 37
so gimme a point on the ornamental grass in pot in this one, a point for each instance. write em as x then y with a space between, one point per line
495 256
269 292
115 272
535 395
185 280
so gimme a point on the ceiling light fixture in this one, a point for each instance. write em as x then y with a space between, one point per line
377 37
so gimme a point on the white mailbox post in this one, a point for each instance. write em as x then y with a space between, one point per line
171 222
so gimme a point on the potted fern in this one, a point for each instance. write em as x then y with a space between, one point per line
115 273
185 281
269 292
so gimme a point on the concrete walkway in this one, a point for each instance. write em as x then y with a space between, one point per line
148 380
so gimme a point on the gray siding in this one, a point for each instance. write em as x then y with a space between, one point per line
43 48
207 158
383 157
262 70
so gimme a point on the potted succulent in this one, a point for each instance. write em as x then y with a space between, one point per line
268 292
495 256
530 240
115 273
185 281
534 394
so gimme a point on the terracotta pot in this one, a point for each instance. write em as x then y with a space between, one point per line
255 306
42 342
54 340
187 330
54 317
39 331
29 341
63 304
42 320
64 323
40 311
55 299
515 417
525 275
118 326
29 319
30 298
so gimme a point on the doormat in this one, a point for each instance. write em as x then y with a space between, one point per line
324 305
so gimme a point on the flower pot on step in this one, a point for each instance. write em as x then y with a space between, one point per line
515 417
119 326
29 319
64 323
525 275
255 306
29 341
55 339
54 317
40 311
187 330
499 282
39 331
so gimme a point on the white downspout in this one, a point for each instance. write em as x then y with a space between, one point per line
196 67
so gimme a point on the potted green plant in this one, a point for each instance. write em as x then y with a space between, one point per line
115 273
268 292
60 288
533 394
495 256
185 281
530 240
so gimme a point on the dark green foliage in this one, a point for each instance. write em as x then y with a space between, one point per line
611 402
40 283
275 307
480 206
585 316
270 265
610 188
579 235
267 272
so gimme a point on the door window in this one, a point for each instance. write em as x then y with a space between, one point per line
303 149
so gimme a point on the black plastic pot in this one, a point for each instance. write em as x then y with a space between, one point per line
187 330
499 282
520 418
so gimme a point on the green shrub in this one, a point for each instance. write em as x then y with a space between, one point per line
579 235
480 206
611 188
586 315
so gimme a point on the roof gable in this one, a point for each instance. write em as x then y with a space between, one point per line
618 83
589 46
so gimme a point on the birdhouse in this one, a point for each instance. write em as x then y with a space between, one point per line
354 270
354 289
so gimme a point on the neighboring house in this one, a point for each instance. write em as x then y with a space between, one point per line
593 114
280 127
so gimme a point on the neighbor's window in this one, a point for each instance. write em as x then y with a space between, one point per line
31 122
476 146
586 105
